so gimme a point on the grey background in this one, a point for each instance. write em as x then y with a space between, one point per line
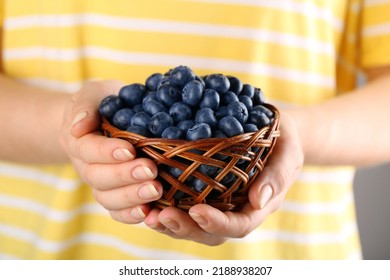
372 195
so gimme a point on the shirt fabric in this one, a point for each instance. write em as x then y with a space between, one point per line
299 53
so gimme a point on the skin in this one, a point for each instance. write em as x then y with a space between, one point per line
62 128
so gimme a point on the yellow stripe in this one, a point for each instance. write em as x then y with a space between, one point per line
375 15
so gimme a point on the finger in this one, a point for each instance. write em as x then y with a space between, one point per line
227 224
84 115
129 196
109 176
280 171
181 224
132 215
152 221
95 148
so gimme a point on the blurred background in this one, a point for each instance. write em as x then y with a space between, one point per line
372 196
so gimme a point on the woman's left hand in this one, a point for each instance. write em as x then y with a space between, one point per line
208 225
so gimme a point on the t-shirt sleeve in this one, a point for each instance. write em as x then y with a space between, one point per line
375 33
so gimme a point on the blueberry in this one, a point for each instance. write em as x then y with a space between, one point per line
159 122
238 110
122 118
200 79
228 179
172 132
258 97
230 126
192 93
109 106
199 131
258 118
247 101
208 170
175 172
153 107
165 80
218 82
179 195
138 130
168 95
185 125
264 110
250 127
199 185
132 94
210 99
140 119
138 108
218 134
227 98
153 81
221 112
180 111
150 95
248 90
206 115
181 75
168 73
235 84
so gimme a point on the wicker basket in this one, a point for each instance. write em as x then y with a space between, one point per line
243 156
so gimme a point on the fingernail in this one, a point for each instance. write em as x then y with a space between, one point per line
142 173
137 213
79 117
171 224
148 192
266 193
122 154
199 219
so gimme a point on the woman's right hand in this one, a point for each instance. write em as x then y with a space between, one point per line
121 183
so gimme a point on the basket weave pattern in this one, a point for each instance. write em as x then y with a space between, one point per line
243 156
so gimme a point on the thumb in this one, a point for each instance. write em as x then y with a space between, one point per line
280 171
84 122
85 116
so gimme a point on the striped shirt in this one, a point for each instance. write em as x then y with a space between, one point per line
299 52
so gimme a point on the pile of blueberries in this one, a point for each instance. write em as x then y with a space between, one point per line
182 105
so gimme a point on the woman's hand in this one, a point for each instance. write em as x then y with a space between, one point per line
121 183
207 225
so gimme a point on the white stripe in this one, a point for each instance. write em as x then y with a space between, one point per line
42 177
341 176
8 257
377 30
261 235
303 8
318 208
63 55
92 239
50 213
167 60
67 87
154 25
371 3
357 255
